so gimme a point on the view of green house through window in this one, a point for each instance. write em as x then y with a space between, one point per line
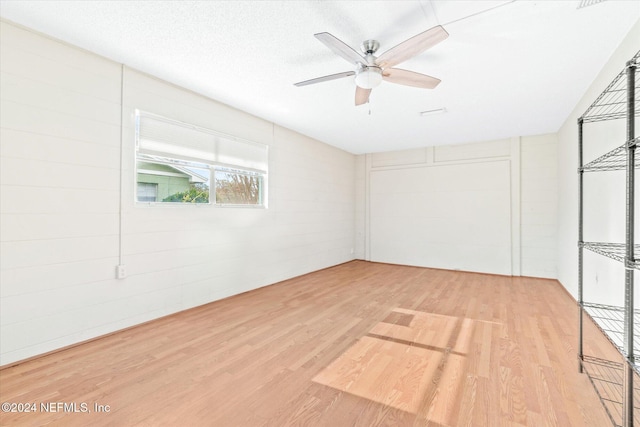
160 180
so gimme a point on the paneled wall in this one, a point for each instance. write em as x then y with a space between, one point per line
487 207
68 215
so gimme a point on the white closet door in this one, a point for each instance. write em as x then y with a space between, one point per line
450 216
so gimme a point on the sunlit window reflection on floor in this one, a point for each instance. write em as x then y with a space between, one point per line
412 361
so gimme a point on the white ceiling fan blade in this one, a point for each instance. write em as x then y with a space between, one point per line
340 48
362 95
409 78
412 47
325 78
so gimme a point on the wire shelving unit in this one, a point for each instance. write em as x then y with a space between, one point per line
616 383
606 376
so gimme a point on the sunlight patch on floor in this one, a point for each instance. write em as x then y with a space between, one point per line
412 361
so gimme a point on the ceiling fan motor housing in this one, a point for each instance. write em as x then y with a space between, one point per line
369 47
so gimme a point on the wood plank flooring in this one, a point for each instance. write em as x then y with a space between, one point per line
359 344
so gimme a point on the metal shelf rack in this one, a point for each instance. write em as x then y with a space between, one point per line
614 160
612 380
613 102
616 251
610 320
607 379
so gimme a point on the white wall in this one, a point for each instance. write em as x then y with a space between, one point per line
487 207
361 212
68 215
604 191
539 205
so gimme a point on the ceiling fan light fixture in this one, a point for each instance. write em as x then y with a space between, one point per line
369 77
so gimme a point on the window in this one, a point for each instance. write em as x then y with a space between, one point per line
238 188
177 162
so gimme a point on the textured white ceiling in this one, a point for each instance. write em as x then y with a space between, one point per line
507 69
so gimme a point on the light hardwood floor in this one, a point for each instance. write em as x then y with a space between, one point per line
359 344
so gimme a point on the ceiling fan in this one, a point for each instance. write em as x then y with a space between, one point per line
371 70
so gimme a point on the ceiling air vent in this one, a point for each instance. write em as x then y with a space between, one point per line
585 3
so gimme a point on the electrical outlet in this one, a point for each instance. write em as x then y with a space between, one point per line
121 273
